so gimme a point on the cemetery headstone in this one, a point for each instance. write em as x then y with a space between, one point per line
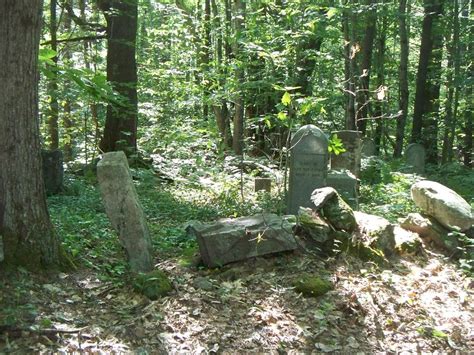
415 155
124 210
264 184
346 185
53 170
350 159
308 166
368 147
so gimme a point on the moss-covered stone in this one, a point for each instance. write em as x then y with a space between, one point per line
359 250
153 284
339 214
311 286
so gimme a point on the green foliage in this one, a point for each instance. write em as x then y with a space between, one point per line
335 145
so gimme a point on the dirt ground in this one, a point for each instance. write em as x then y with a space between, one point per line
419 304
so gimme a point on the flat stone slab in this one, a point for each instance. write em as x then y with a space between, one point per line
228 240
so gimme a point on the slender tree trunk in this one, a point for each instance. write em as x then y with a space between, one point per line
67 106
349 69
449 120
379 106
220 109
28 235
427 82
403 91
469 112
238 138
53 128
363 94
120 132
206 57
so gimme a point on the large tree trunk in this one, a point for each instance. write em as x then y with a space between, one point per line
28 235
120 132
403 29
427 81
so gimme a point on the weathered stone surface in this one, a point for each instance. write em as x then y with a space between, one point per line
376 232
264 184
415 155
350 159
312 226
431 231
368 147
53 170
346 185
124 210
445 205
228 240
406 242
308 166
337 212
312 286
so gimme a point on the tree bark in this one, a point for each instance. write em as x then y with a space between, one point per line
28 235
403 91
53 127
379 106
120 132
238 136
425 124
363 94
469 112
349 69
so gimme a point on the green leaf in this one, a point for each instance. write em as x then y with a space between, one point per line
45 54
286 99
331 12
282 116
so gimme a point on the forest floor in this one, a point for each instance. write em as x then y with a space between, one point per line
422 303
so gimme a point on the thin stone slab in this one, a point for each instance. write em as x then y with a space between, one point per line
124 210
415 156
53 170
345 184
368 148
308 166
350 159
228 240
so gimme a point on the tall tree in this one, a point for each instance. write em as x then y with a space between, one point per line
469 112
363 94
120 132
238 138
350 51
25 227
425 123
403 92
53 125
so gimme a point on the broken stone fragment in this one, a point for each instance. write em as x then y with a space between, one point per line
376 232
432 231
406 242
336 211
311 286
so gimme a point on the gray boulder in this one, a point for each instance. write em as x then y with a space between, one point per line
376 232
442 203
124 210
316 230
432 232
407 242
228 240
